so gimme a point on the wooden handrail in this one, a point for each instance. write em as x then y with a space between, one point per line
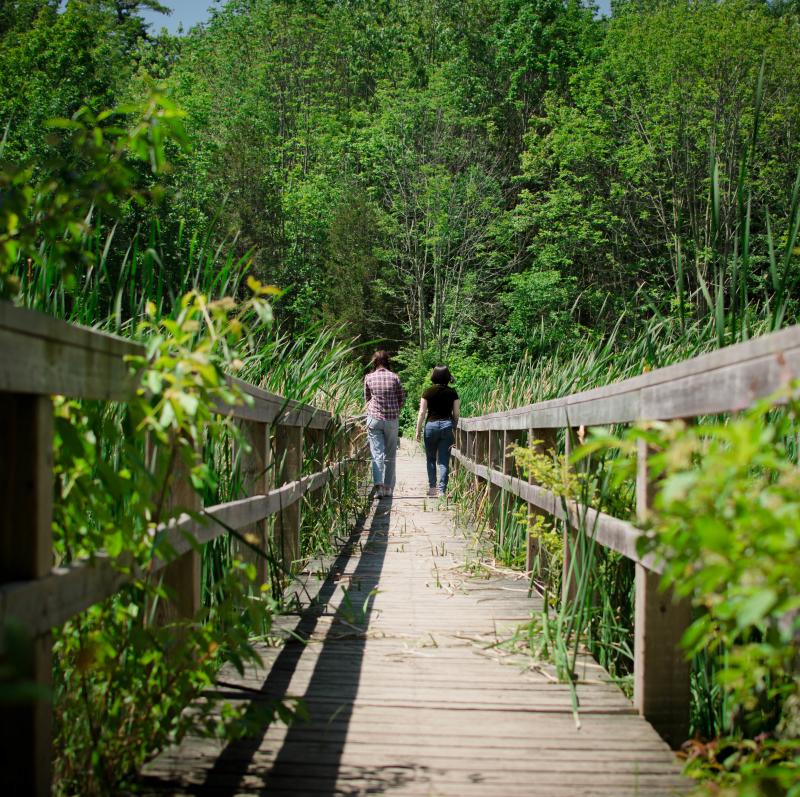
46 356
42 356
727 380
608 531
48 602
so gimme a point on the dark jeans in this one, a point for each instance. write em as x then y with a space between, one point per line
438 442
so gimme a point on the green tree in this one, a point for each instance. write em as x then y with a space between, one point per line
617 176
20 15
56 62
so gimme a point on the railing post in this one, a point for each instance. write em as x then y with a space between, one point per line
357 437
288 465
495 458
344 445
314 448
314 443
508 466
181 576
352 449
574 542
459 444
26 552
509 439
546 445
255 469
340 443
481 454
661 690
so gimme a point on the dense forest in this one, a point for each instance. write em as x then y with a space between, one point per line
540 196
470 180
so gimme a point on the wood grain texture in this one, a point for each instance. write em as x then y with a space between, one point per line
42 362
494 499
255 472
181 574
661 686
544 442
288 459
46 356
49 601
727 380
573 534
394 653
26 552
269 407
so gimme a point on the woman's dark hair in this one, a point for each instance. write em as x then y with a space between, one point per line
381 359
441 375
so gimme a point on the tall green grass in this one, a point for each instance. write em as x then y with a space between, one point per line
123 276
152 265
656 343
599 620
740 294
157 266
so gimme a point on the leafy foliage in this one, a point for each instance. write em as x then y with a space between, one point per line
124 674
53 214
724 525
126 669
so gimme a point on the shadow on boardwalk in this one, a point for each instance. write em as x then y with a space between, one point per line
408 693
238 759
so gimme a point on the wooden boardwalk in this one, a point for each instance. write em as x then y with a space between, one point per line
403 693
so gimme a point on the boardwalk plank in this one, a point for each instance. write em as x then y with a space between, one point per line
406 693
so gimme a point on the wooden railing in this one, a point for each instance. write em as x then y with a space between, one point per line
727 380
41 357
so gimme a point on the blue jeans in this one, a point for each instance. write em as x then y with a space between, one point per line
438 442
382 436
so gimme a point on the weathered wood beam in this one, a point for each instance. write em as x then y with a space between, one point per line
63 592
544 442
255 464
661 689
494 497
727 380
181 575
618 535
45 356
288 459
26 552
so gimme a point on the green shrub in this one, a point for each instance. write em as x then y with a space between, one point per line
726 525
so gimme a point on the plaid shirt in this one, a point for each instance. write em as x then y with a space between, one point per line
384 394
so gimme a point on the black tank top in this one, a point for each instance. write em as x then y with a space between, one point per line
440 400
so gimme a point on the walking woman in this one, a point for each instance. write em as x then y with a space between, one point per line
385 397
438 410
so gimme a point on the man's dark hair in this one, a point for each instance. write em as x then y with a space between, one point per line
381 359
441 375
